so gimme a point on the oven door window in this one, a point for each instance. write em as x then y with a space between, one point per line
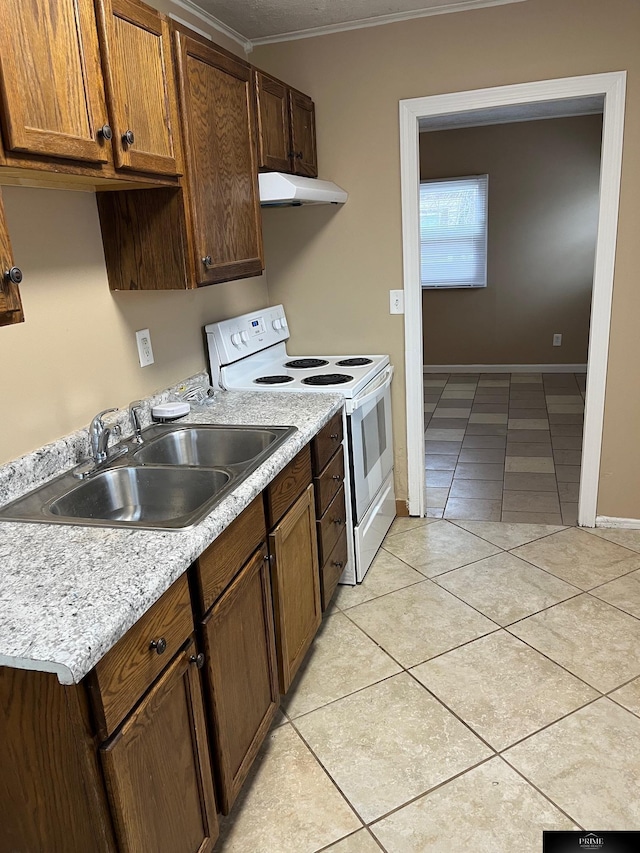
374 436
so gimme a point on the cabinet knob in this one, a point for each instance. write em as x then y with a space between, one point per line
198 660
336 477
160 645
337 563
14 275
128 138
337 520
207 261
105 132
299 155
334 436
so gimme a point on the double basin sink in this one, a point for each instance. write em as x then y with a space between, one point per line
172 480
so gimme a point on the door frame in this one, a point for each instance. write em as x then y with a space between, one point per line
612 86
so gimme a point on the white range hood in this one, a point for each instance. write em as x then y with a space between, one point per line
280 190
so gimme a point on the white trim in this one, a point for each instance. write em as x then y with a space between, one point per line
612 521
504 368
213 22
612 86
362 23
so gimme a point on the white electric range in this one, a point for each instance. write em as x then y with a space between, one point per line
250 353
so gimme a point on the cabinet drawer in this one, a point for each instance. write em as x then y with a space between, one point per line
327 441
223 559
331 526
125 672
328 483
332 569
288 486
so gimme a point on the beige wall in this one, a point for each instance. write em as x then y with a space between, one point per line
76 353
543 218
333 268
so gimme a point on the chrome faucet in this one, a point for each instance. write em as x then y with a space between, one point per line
99 435
134 416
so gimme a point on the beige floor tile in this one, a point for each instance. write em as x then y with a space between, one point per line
560 399
434 434
288 805
329 673
568 474
438 547
590 638
621 536
530 482
458 393
430 407
280 719
487 429
436 498
479 471
623 593
526 378
529 448
529 423
386 574
580 558
629 696
485 442
506 588
488 418
529 465
483 455
502 688
529 436
388 744
487 489
566 442
536 518
530 502
359 842
507 536
569 510
438 479
418 622
478 508
443 412
568 491
489 809
567 457
588 765
433 513
440 462
403 523
565 408
434 383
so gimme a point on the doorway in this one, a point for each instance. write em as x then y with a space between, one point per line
553 98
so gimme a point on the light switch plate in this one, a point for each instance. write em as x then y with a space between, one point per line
145 352
396 302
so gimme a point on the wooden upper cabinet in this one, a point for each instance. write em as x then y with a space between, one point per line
50 80
10 277
140 85
303 134
217 110
274 135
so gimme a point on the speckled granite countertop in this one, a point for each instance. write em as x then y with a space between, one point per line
67 594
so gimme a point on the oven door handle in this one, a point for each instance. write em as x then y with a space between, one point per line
382 385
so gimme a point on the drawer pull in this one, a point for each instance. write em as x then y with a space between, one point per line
337 563
160 645
198 660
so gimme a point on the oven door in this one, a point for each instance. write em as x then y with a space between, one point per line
371 440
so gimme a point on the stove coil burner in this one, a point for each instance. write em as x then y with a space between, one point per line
278 379
354 362
328 379
302 363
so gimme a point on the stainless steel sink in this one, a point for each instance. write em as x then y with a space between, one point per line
207 446
171 497
171 481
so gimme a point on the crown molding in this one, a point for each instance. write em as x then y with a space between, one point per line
214 23
462 6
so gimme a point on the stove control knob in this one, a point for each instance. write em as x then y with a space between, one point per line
245 337
277 325
236 339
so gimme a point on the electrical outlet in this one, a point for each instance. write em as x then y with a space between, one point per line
396 302
145 352
557 340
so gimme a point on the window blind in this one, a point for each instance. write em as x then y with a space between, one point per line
453 232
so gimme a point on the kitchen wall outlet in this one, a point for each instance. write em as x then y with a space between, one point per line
557 340
396 302
145 352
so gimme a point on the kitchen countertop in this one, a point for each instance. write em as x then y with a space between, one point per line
69 593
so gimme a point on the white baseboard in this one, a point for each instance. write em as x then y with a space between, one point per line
504 368
612 521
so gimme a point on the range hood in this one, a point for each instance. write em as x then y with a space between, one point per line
280 190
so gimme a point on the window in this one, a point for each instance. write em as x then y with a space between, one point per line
453 232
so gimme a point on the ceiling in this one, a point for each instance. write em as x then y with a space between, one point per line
262 21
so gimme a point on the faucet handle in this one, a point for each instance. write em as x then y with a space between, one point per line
134 416
100 415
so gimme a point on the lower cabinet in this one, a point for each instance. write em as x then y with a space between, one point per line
157 769
239 644
296 585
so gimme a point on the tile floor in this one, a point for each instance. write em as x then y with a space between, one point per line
503 446
481 685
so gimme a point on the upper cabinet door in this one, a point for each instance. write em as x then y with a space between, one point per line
303 134
274 137
217 104
10 277
140 85
50 80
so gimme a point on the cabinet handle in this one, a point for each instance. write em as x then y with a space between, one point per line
337 520
299 155
207 261
105 132
334 436
128 138
336 477
14 275
160 645
198 660
337 563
